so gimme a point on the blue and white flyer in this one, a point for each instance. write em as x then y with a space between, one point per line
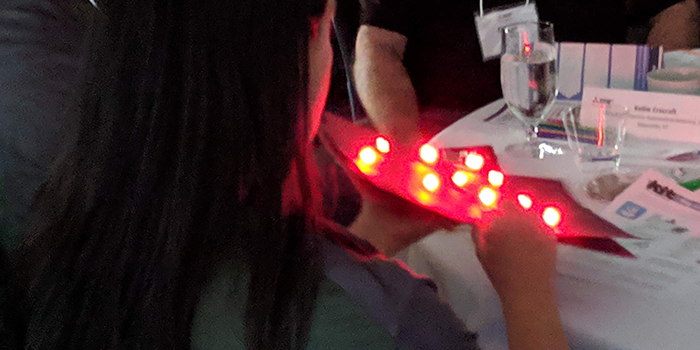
665 218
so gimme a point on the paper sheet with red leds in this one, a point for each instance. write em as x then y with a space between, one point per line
460 184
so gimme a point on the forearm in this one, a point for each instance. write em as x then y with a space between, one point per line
533 322
385 88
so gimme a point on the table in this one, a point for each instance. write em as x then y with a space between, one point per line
595 315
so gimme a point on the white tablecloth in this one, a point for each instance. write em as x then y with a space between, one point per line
596 316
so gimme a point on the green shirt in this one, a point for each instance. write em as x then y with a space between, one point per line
366 301
338 323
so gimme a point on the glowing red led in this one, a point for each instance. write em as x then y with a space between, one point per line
460 178
474 161
525 201
488 196
429 154
368 155
527 47
601 125
383 145
496 178
551 216
431 182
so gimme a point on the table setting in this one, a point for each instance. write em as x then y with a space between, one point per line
617 127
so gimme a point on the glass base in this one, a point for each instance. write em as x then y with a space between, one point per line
599 164
536 149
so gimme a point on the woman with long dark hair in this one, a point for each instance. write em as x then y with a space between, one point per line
193 114
184 216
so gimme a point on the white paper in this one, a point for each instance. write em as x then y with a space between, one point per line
597 70
650 115
570 70
665 218
619 66
622 70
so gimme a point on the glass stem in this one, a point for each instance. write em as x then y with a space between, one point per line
531 132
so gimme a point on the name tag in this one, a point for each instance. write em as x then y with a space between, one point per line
651 115
489 25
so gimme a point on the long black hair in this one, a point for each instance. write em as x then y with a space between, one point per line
189 124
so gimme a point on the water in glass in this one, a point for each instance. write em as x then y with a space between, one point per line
529 81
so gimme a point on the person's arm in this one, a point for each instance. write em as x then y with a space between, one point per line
383 83
533 322
387 222
519 256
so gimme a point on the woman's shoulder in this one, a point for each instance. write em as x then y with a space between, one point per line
365 301
337 321
340 323
405 304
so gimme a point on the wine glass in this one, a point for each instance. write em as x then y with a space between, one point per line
529 78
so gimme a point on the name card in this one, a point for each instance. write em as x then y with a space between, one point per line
652 115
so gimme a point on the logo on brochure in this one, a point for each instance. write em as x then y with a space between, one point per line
663 191
631 211
602 100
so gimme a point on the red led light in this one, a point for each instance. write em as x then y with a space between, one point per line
474 161
525 201
368 155
496 178
474 212
601 125
460 178
383 145
431 182
488 196
551 216
527 47
429 154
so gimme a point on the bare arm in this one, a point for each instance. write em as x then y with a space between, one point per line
533 322
383 83
519 257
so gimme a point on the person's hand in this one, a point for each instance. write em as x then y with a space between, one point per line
392 223
518 254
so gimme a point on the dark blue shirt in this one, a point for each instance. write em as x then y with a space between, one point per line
41 64
443 56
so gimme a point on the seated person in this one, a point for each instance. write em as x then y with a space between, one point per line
415 56
184 215
42 53
677 27
10 323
